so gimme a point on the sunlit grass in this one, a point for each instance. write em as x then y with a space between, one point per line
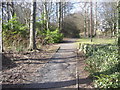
97 41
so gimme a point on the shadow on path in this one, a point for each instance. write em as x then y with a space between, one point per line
67 40
7 62
47 85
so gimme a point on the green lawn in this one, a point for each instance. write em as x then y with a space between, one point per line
97 41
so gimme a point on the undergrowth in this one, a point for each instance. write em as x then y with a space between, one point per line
103 65
16 35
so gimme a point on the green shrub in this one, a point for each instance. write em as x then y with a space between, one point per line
14 32
102 62
108 81
53 36
48 36
20 48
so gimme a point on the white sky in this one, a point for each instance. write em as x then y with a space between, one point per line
65 0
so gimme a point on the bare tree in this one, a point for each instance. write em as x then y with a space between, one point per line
88 22
96 24
32 44
59 16
46 17
108 13
8 11
86 15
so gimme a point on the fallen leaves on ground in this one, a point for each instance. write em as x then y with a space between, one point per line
17 67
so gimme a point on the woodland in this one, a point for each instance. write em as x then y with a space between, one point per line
32 32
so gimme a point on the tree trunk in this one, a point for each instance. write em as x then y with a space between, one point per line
118 29
91 24
85 23
57 11
1 27
64 12
1 48
114 24
46 19
111 33
95 21
13 11
44 16
8 11
32 44
59 17
62 8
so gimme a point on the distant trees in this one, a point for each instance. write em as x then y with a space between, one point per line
90 24
73 25
62 9
84 14
102 18
109 14
48 17
87 15
7 12
21 19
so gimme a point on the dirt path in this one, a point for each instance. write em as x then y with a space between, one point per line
61 71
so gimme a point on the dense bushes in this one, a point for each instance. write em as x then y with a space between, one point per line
48 36
108 81
103 64
53 36
14 33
